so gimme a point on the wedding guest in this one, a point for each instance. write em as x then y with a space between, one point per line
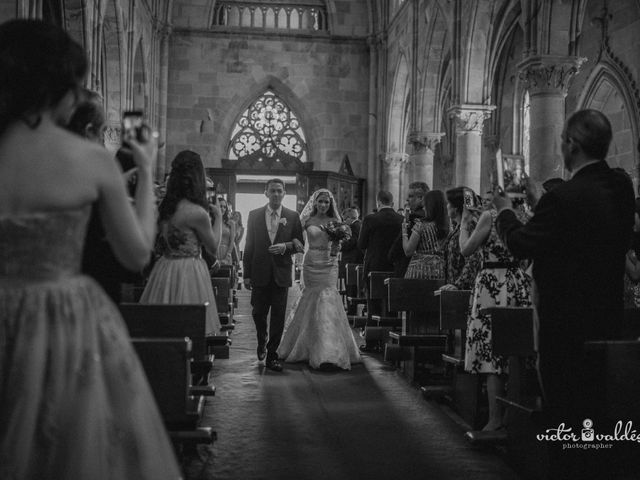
228 234
425 244
98 259
578 239
414 210
460 271
378 231
500 282
75 402
350 253
180 275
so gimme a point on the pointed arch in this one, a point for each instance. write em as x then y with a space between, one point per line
398 108
140 98
609 91
306 119
268 129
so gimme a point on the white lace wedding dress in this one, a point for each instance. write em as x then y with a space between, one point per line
317 329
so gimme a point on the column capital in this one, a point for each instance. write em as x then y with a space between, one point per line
470 118
423 141
393 160
549 73
112 134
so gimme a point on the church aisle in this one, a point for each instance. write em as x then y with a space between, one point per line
305 424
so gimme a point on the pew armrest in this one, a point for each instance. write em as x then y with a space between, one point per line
202 390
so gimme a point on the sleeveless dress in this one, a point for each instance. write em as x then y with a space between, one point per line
225 241
317 329
427 262
181 275
501 287
74 399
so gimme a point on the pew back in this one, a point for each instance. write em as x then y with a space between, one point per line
168 321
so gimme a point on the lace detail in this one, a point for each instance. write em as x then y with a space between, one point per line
176 243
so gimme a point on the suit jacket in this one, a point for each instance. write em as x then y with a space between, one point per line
577 239
376 237
258 264
350 251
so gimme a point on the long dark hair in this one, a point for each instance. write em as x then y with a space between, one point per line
331 213
455 196
435 211
186 182
39 64
225 214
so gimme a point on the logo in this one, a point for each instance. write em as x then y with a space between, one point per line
589 438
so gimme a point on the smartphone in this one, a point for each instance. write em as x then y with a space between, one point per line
469 200
132 126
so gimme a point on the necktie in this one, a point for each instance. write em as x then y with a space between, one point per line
274 226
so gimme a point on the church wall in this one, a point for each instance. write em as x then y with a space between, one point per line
623 28
213 77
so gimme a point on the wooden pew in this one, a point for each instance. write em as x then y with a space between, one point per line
355 297
223 281
380 320
175 321
166 362
420 341
464 391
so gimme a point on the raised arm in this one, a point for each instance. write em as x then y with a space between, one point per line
130 228
469 243
208 234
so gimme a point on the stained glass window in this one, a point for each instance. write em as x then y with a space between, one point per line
268 129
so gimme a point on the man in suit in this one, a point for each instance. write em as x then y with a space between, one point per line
578 238
350 253
267 264
378 232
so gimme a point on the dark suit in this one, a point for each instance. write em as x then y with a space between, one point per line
378 232
577 238
270 274
350 251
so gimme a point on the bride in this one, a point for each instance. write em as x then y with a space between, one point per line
317 329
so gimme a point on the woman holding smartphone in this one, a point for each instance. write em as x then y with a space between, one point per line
500 282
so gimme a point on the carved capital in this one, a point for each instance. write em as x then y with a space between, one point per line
548 73
423 141
470 118
395 160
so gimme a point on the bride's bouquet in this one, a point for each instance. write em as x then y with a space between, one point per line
337 232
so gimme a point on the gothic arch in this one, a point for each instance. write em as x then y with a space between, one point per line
307 121
609 91
139 87
397 134
437 45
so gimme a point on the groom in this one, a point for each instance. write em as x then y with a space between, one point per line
267 267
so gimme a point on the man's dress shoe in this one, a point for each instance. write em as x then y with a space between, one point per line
262 352
274 365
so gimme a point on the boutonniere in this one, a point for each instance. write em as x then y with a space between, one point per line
283 222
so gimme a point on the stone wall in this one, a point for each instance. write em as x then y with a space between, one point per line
214 76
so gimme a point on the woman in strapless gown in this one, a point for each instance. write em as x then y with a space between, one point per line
74 399
181 275
317 329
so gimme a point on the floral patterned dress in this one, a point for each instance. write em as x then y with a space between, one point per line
427 261
505 286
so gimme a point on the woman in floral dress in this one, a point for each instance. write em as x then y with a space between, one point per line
425 243
500 282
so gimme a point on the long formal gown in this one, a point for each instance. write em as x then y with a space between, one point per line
317 329
74 400
181 275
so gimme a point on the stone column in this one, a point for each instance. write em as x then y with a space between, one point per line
421 158
547 79
393 166
469 124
